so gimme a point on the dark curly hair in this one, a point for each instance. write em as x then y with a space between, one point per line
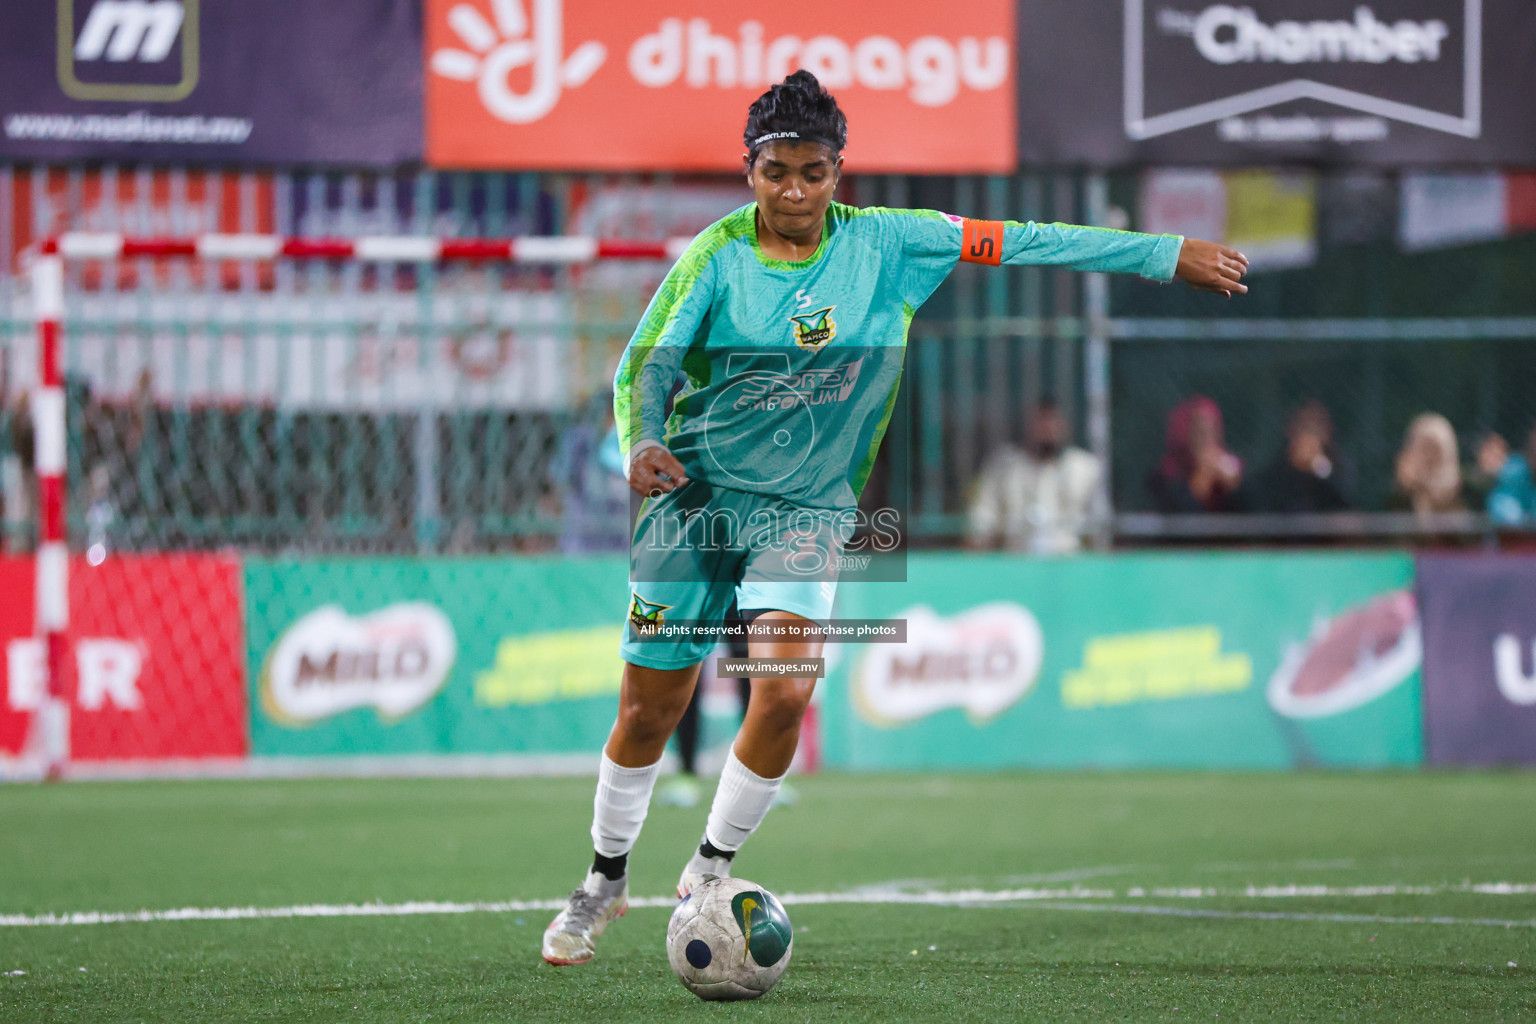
800 105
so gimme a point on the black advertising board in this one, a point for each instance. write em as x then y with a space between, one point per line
1377 82
212 81
1479 615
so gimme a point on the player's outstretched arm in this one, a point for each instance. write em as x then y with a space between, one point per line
1212 267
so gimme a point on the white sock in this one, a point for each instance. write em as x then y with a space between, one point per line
618 809
741 804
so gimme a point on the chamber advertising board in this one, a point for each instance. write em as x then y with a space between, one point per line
1479 658
280 81
1383 82
1209 661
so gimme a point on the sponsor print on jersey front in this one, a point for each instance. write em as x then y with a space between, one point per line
766 391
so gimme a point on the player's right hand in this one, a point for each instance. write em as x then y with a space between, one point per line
656 471
1212 267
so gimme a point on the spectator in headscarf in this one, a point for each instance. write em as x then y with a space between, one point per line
1307 476
1197 472
1428 479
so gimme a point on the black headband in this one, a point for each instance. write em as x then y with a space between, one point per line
757 143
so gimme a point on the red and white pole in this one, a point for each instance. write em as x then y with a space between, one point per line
52 721
52 552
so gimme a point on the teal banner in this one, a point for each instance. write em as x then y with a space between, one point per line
1178 660
363 657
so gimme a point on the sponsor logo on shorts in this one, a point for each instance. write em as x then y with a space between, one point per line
646 616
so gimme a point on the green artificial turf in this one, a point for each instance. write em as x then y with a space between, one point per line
1124 953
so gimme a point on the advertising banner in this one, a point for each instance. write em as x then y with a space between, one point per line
665 84
155 667
433 656
1208 661
1385 82
1479 658
284 81
1271 217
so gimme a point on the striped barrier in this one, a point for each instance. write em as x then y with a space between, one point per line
52 733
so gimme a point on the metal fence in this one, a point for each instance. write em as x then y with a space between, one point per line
406 408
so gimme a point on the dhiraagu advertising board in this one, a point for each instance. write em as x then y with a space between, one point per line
367 656
1178 660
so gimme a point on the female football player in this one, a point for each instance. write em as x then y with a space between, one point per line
787 323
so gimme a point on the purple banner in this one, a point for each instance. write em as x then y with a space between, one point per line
1479 614
1383 82
195 81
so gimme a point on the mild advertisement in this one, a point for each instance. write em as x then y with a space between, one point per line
1210 661
1479 658
1383 82
155 668
665 84
176 81
363 657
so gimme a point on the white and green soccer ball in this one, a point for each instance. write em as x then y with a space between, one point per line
729 939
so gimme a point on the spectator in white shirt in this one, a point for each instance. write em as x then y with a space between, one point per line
1040 498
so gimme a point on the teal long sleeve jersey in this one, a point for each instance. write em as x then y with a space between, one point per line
790 369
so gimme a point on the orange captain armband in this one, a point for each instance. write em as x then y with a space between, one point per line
981 241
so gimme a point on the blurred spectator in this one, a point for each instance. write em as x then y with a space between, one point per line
1308 475
17 478
1198 473
1038 498
1480 478
1428 479
1513 499
589 474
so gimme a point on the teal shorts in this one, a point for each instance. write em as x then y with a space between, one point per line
702 546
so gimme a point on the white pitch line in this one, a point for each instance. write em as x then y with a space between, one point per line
1278 915
1313 891
865 896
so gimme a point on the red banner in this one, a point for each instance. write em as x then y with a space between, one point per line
155 668
665 84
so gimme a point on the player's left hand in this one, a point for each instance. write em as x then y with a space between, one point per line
1212 267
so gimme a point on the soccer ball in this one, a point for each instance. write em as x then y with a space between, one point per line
729 939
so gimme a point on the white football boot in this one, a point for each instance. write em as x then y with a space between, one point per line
570 936
700 867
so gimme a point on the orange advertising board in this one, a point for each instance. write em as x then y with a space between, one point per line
665 84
